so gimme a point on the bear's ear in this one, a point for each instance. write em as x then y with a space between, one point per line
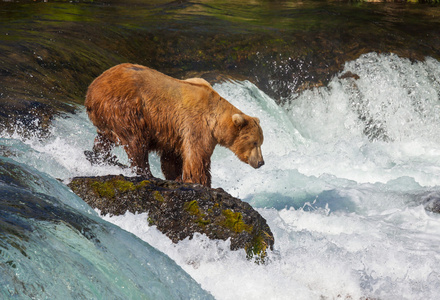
238 120
258 120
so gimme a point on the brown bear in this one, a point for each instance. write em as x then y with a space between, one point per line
182 120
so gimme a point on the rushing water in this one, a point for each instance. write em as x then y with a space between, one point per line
54 246
348 168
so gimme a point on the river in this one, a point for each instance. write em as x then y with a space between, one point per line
352 154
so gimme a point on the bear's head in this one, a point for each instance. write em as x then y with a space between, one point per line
247 144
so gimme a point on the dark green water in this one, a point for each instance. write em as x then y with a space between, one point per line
51 51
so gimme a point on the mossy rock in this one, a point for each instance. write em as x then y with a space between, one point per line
180 209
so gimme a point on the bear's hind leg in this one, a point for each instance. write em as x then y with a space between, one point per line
171 165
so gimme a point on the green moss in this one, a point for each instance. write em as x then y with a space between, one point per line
158 196
103 189
123 186
234 221
142 184
109 188
192 207
203 222
257 248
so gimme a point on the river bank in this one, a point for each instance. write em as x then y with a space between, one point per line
52 51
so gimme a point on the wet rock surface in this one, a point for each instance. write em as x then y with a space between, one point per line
179 210
431 201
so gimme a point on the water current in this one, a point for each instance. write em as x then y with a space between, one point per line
348 168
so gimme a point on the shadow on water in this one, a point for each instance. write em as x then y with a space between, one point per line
51 51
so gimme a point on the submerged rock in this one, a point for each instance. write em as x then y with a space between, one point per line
431 201
180 209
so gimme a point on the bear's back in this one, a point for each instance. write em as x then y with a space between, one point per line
131 87
199 81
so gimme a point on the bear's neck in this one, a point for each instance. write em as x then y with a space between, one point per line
224 130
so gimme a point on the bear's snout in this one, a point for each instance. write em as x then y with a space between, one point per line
256 163
255 158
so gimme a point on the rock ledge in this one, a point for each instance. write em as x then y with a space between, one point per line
180 209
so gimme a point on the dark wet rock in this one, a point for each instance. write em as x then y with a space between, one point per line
431 201
280 47
349 74
180 209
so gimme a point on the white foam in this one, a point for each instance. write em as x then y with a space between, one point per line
393 99
342 198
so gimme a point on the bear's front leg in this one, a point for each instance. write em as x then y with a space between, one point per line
139 160
102 152
197 170
102 146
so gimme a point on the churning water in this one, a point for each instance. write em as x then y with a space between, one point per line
348 167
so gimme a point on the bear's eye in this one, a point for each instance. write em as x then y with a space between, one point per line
255 144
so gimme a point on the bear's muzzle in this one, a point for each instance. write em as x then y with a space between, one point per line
256 158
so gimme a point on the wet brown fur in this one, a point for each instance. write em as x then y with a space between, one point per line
182 120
